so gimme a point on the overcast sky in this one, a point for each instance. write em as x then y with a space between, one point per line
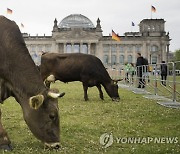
38 15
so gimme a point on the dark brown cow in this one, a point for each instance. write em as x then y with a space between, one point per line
20 78
78 67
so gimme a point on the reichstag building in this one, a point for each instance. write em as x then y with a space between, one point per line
77 34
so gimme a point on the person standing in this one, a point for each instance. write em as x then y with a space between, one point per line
139 65
163 73
131 72
126 69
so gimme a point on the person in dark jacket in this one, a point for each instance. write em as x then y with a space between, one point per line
163 73
139 64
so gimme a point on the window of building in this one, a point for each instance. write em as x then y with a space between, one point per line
129 58
138 48
68 48
40 47
114 48
47 48
106 48
154 60
158 28
36 57
33 48
121 49
84 48
105 59
76 48
153 28
154 48
130 48
121 59
113 60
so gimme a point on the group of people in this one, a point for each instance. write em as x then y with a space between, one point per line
142 71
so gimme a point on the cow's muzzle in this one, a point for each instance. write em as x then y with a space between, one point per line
116 99
52 145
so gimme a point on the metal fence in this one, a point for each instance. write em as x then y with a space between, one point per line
151 79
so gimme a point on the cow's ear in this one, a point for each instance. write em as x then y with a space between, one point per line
36 101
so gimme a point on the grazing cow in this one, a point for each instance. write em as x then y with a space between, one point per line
78 67
19 77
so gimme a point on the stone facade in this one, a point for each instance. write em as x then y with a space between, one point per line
76 33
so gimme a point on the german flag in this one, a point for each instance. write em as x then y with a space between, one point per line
115 36
153 9
9 11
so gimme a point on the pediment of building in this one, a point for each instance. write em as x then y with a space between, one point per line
77 34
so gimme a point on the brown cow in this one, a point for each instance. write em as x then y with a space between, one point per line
21 79
78 67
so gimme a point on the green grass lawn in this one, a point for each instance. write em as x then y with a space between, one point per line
82 123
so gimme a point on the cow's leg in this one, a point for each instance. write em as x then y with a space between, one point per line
85 87
5 143
100 92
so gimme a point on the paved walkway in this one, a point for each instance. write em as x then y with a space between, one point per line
161 100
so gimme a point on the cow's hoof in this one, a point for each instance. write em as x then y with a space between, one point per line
7 147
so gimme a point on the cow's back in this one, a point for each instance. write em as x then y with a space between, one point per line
10 34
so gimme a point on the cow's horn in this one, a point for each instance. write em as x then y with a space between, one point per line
51 78
36 101
55 95
48 80
116 81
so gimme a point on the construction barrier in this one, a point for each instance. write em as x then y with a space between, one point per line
150 78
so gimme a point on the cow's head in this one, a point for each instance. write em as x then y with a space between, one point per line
42 117
112 90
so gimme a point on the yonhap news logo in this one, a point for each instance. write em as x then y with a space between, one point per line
107 139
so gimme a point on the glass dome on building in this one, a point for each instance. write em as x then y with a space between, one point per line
76 21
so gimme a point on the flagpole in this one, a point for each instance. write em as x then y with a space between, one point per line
111 47
151 11
6 14
111 52
114 37
151 14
